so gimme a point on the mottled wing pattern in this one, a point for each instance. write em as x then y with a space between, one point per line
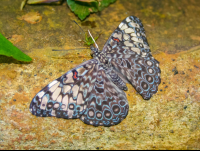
84 92
65 97
107 104
129 52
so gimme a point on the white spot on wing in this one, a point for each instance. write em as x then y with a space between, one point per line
134 24
137 50
133 34
144 54
128 19
149 63
138 34
150 70
69 78
80 99
71 100
63 106
91 113
126 47
56 105
81 71
143 34
98 114
140 61
126 37
146 47
88 66
135 39
127 56
129 30
82 117
59 99
75 90
66 88
119 36
70 113
40 94
56 93
149 79
127 43
65 102
52 83
55 85
70 106
44 103
53 113
123 26
81 109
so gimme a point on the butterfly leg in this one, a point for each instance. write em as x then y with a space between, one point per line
117 80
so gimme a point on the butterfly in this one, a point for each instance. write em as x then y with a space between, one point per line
94 90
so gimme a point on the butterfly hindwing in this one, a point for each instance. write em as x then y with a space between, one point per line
129 52
107 104
143 73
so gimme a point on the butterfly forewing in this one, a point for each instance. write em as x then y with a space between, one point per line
129 52
65 96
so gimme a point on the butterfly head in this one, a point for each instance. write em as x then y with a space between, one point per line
95 51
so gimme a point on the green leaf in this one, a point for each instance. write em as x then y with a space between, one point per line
105 3
86 0
9 50
83 8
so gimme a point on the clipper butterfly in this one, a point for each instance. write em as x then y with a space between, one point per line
94 90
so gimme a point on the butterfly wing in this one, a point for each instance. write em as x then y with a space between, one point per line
84 92
65 96
107 104
129 52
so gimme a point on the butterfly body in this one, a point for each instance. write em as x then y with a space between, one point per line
93 91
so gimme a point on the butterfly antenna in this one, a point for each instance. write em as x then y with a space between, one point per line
67 49
79 26
93 39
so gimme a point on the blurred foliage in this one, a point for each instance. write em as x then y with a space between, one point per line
82 8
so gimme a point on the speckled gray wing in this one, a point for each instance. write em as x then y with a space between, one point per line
65 97
128 51
84 92
107 104
142 73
